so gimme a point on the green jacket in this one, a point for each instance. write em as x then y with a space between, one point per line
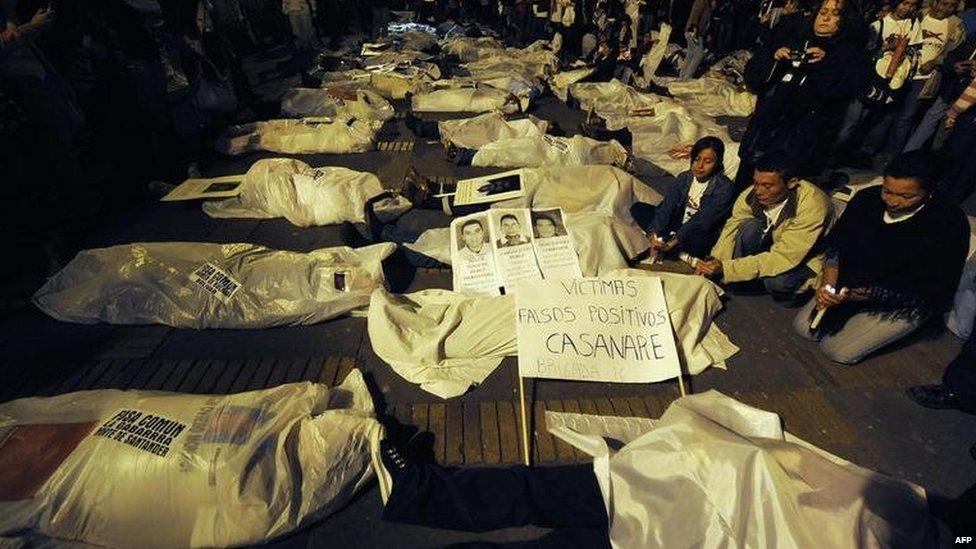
797 236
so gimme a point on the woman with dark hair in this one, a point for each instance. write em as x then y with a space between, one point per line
893 262
804 76
695 206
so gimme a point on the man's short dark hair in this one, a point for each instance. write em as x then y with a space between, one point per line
775 161
508 216
539 217
472 222
917 165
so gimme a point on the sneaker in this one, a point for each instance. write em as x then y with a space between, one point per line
390 467
416 189
373 222
938 397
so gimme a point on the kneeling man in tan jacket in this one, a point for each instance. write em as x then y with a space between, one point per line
775 234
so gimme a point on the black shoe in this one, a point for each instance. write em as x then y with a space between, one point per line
373 222
351 237
938 397
416 188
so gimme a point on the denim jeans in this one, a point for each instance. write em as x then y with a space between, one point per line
694 54
862 334
928 126
751 241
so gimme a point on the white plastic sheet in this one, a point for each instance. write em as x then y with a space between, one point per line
245 285
447 342
316 102
547 150
476 132
239 470
301 136
714 472
305 196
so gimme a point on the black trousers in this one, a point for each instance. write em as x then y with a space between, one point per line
480 499
960 376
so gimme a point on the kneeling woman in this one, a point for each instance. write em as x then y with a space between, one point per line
893 262
695 206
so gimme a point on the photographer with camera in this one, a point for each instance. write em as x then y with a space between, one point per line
804 78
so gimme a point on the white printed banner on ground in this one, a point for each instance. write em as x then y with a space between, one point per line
589 329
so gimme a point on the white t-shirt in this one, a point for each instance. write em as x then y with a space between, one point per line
898 218
933 35
693 204
772 215
890 26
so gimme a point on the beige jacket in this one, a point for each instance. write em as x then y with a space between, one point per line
797 236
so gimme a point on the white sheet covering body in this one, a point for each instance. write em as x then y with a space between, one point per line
596 201
156 469
300 136
392 82
476 132
316 102
713 472
674 127
243 285
305 196
546 150
447 342
676 123
473 98
711 96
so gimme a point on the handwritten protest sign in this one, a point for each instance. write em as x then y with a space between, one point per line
589 329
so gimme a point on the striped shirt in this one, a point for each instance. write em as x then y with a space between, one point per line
965 101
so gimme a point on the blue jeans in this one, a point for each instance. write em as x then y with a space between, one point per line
928 126
694 54
751 241
891 132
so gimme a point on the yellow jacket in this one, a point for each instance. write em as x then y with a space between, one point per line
797 236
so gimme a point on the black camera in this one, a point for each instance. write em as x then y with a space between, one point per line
799 56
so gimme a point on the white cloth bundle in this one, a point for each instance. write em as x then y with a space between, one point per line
713 472
202 285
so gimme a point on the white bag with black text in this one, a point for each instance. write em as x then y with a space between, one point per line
151 469
204 285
